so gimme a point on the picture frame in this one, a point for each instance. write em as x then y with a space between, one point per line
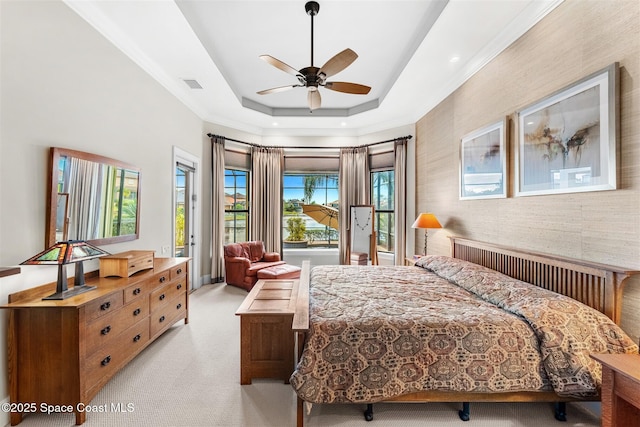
568 141
483 162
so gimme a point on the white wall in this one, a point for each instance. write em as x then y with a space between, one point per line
64 85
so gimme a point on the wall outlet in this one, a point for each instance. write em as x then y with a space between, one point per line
165 249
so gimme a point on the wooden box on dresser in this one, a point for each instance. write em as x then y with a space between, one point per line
61 353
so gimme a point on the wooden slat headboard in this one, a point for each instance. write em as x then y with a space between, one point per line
596 285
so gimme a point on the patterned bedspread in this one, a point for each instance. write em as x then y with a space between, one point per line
378 332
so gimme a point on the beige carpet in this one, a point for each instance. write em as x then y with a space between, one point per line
191 377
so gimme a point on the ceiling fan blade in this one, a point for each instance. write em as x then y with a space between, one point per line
314 99
280 65
346 87
277 89
338 63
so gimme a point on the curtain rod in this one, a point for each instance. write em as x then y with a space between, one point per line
210 135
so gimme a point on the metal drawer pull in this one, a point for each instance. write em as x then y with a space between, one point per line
137 338
161 297
162 279
179 271
106 361
179 286
178 307
106 330
133 266
137 291
136 311
161 319
105 306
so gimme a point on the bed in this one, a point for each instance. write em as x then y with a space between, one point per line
488 323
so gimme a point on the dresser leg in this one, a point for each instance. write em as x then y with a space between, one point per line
16 418
81 417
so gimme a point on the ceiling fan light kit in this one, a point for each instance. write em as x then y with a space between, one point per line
313 77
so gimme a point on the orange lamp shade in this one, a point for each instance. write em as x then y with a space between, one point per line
426 220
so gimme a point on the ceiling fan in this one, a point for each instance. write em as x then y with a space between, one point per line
313 77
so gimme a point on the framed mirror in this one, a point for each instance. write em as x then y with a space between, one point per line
362 237
92 198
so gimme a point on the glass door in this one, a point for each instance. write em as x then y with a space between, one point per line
185 217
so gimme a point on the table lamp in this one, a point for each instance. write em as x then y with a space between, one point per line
67 252
426 220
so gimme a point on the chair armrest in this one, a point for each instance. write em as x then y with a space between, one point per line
236 269
271 256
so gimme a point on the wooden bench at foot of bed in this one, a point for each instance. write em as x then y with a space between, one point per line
594 284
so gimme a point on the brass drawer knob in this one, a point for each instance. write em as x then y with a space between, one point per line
106 361
106 330
136 312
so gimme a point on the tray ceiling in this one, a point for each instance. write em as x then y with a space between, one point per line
412 53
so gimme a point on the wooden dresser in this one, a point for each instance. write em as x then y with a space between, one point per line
61 353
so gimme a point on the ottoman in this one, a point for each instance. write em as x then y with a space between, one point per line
282 271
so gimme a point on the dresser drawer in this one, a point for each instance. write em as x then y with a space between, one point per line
139 290
107 328
103 306
160 296
106 361
179 271
160 279
166 315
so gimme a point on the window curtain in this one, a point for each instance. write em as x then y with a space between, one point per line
353 180
85 178
267 166
400 196
217 209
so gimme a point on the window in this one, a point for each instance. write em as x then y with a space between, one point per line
302 194
236 206
382 198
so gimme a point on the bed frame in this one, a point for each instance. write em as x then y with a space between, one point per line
597 285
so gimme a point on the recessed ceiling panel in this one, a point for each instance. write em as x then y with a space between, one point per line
384 35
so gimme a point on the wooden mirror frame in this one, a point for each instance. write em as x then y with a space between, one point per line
52 195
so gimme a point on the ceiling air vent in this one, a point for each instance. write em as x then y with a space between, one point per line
193 84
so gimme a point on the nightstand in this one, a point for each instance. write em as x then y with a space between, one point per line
620 389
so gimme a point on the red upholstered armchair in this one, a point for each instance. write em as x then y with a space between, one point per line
243 260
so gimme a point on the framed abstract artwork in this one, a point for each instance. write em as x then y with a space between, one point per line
483 162
567 142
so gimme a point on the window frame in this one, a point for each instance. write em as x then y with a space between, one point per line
390 248
326 187
246 210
